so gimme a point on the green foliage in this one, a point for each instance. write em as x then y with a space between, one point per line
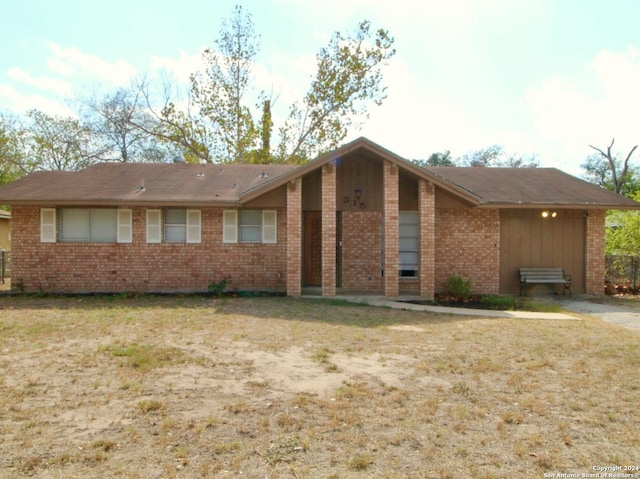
57 143
458 287
498 301
218 288
219 93
348 78
13 161
622 236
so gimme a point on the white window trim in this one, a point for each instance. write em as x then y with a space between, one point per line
269 226
124 226
154 226
230 226
47 225
194 221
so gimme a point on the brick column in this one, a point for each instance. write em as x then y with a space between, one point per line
328 230
427 214
390 219
594 253
294 237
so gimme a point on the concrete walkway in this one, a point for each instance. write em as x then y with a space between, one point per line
402 303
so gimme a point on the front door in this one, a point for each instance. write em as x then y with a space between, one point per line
312 248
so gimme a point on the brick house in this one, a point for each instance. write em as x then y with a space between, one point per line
359 218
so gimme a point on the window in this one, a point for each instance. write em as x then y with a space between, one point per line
83 225
175 226
180 226
250 222
409 244
250 226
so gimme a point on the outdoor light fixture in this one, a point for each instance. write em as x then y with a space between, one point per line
549 214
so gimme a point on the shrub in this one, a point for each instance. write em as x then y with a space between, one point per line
218 288
498 301
458 287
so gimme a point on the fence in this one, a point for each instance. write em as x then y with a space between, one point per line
5 265
621 273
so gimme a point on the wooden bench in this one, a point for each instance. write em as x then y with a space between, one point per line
544 276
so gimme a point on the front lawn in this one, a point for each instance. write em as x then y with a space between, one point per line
291 388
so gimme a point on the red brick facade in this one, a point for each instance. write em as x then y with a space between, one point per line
594 253
468 245
328 230
139 266
294 238
361 250
391 210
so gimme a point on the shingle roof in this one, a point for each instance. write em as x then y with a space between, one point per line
142 183
188 184
530 187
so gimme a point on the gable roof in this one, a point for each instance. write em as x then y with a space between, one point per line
141 183
531 187
184 184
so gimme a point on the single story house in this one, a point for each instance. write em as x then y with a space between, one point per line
359 218
5 230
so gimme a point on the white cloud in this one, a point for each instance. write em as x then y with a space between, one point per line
416 120
71 60
21 103
182 67
59 87
568 116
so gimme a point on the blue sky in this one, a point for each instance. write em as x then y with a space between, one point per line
543 77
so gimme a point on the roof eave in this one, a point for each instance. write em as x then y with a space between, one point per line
123 203
559 206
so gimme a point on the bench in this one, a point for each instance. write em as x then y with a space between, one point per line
544 276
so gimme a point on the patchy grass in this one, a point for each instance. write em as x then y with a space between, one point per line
278 387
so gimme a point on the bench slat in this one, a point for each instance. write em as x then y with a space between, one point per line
544 276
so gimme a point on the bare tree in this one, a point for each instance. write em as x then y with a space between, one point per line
619 171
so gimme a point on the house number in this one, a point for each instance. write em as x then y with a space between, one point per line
347 199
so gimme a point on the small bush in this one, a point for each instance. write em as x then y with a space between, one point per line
497 301
458 287
218 288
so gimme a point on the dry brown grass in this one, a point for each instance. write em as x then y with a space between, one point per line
285 388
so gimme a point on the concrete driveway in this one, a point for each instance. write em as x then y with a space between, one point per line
627 316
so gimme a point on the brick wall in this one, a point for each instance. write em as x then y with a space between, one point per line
294 238
468 245
142 267
594 252
391 207
426 196
361 250
328 230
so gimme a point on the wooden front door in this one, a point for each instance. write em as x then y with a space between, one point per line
313 248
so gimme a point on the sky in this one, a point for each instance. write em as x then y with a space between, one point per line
537 77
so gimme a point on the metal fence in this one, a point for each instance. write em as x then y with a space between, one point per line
621 273
5 265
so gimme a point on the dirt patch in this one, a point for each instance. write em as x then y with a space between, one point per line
197 387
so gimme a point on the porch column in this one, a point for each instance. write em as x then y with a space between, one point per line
294 237
427 214
390 219
328 230
594 252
